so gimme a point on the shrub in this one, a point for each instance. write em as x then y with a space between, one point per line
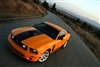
36 1
97 33
89 28
77 20
84 25
45 5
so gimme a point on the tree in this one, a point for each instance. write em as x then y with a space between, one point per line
77 20
89 28
25 1
84 25
97 33
45 5
36 1
53 7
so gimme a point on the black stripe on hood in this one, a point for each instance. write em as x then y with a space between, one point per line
22 36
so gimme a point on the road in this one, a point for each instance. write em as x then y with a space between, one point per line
76 54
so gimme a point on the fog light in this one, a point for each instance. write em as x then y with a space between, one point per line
27 58
31 57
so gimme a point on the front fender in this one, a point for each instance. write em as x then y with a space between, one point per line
48 46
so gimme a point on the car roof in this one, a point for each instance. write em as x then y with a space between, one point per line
54 26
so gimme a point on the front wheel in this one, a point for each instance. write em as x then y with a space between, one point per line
64 45
44 56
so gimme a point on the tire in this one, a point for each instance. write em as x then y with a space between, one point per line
44 56
64 45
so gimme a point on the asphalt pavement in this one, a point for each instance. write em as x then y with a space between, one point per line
75 54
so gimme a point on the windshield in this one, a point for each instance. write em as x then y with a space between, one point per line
48 30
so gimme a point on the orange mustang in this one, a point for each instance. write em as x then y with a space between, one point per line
35 43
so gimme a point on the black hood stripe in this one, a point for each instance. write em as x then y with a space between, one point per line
22 36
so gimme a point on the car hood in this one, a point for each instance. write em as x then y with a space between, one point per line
37 41
31 37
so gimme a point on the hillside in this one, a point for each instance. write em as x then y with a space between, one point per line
20 8
90 37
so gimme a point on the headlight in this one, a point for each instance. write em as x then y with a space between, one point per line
33 51
25 47
12 36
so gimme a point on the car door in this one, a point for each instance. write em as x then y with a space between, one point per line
60 40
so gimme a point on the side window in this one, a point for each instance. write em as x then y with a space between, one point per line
61 35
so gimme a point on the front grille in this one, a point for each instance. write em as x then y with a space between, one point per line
18 42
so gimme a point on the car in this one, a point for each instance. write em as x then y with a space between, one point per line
36 43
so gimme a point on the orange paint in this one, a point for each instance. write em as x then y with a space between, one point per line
41 42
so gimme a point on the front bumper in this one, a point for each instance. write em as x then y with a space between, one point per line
26 54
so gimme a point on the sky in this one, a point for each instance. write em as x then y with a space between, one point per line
86 8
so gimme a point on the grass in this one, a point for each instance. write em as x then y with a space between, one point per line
91 41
